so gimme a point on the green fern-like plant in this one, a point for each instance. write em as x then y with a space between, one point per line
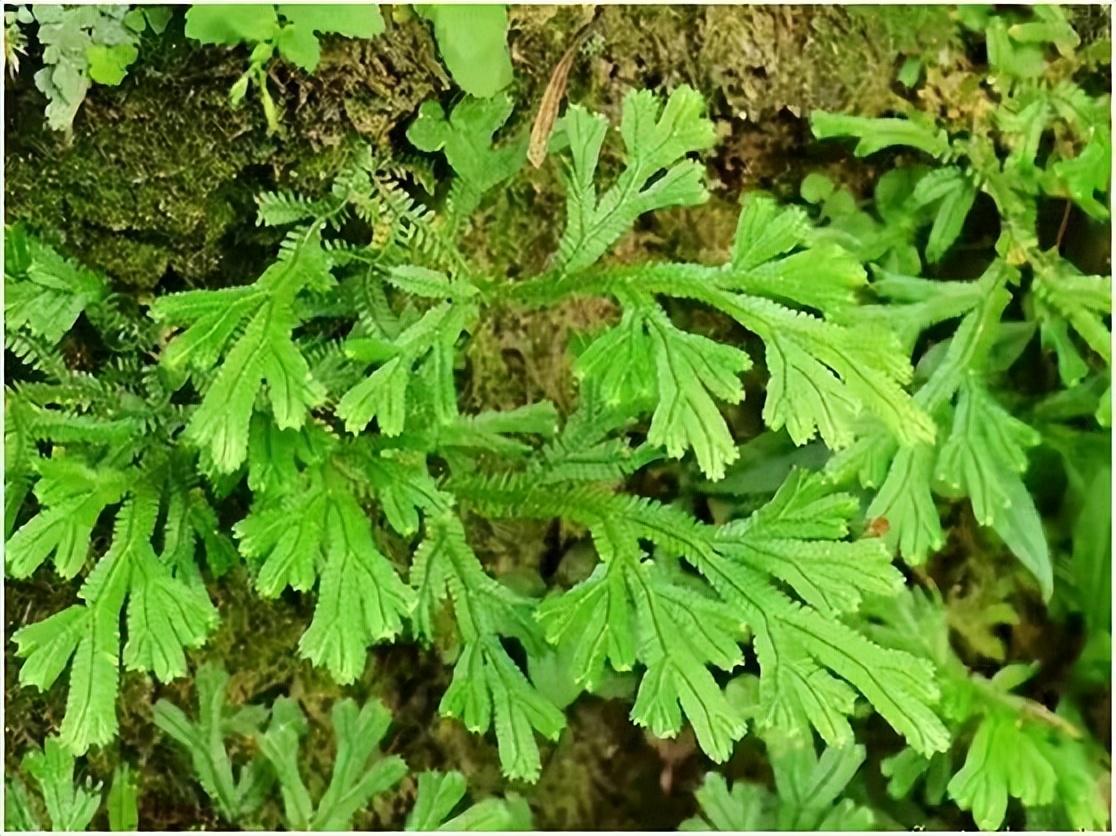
327 386
808 793
67 805
927 377
1007 746
360 770
981 448
108 438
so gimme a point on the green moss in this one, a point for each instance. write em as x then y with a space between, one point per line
142 187
159 174
747 60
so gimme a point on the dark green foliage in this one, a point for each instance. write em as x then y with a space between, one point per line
360 770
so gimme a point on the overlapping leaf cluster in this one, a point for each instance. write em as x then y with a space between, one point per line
85 443
83 45
360 770
327 387
67 803
1036 138
320 404
808 788
1018 748
982 449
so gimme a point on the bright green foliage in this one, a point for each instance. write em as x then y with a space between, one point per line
950 195
69 806
888 241
877 134
823 375
73 496
465 137
440 793
1007 746
109 64
689 368
411 397
981 450
19 814
87 44
297 41
657 172
247 332
487 688
289 29
473 43
686 370
312 524
1028 105
319 412
356 580
44 292
384 394
230 25
807 795
292 28
106 437
329 383
45 295
633 610
166 613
